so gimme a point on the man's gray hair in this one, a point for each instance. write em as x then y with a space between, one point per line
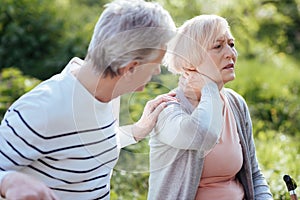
128 30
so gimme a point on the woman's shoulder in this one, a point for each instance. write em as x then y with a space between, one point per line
233 95
236 100
184 103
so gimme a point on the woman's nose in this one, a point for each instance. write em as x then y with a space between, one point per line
231 52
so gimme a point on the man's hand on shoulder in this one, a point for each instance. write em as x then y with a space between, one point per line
146 123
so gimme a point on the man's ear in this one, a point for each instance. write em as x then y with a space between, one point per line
129 68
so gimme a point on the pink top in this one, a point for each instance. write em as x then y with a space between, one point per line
218 179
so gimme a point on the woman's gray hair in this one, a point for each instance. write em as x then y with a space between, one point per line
188 48
128 30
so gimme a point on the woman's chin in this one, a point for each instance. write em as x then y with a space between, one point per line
229 78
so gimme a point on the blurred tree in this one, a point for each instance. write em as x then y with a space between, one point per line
40 38
265 27
29 31
262 27
282 19
13 85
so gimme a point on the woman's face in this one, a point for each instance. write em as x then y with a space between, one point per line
222 54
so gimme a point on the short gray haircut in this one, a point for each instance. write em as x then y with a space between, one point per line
187 49
128 30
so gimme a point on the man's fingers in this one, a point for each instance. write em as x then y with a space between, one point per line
156 105
163 98
171 93
157 111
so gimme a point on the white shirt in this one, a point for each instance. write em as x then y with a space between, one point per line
60 134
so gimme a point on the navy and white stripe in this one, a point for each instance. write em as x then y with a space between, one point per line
62 170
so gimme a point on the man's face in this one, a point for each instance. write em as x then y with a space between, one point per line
144 72
136 78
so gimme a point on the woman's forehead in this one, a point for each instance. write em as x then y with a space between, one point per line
224 36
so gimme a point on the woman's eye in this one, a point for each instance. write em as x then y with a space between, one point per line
231 45
218 46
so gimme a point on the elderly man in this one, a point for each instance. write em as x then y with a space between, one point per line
62 140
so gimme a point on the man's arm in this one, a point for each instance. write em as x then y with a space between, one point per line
131 134
15 154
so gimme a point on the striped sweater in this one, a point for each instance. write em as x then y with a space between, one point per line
60 134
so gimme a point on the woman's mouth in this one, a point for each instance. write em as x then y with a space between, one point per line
229 66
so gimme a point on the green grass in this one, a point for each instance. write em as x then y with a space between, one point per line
278 155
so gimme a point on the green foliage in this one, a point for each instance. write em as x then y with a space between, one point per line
128 185
271 89
278 155
289 11
265 27
261 27
80 17
40 37
13 85
29 32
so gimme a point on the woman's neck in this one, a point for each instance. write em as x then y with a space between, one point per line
193 101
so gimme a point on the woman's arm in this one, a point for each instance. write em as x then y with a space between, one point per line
198 131
261 188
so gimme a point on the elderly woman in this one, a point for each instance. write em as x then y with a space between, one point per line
203 147
62 139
